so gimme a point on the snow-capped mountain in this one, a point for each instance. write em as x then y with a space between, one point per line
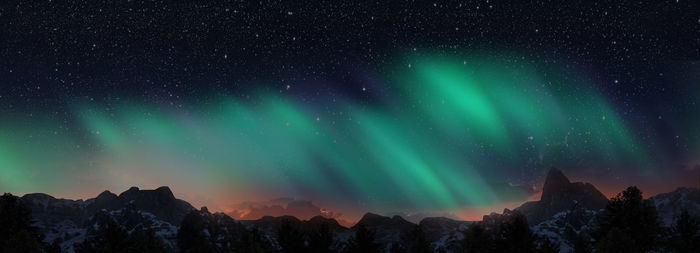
669 205
558 195
569 211
566 212
387 229
565 209
444 233
67 222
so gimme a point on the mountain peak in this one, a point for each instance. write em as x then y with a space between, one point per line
42 196
560 194
372 220
132 190
321 219
397 218
555 182
160 202
164 192
106 195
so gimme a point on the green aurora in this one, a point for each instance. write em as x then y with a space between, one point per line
444 133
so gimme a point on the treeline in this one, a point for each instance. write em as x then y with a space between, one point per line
18 235
627 224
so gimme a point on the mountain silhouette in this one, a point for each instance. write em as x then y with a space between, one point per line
565 209
669 205
73 220
372 221
559 194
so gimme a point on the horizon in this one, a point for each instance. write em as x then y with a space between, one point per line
475 215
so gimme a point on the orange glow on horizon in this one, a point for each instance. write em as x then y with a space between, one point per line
227 203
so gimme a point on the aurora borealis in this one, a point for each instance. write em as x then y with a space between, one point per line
418 127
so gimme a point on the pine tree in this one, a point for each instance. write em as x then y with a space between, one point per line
16 232
290 239
515 235
476 239
582 244
251 242
685 234
112 238
191 237
396 248
146 241
54 247
322 240
616 241
547 246
416 241
21 242
363 241
628 213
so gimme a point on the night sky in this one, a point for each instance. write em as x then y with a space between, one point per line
452 107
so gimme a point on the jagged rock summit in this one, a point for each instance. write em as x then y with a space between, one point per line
371 220
72 221
442 230
272 224
559 194
160 202
566 209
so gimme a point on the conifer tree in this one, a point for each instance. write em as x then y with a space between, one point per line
16 232
629 215
363 241
685 234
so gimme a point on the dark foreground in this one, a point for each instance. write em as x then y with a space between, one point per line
570 217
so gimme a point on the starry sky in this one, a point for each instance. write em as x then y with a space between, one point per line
431 107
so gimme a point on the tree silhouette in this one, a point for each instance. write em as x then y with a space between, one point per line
251 242
22 241
582 243
476 239
630 215
416 241
322 240
616 241
16 232
191 236
685 234
396 248
363 241
55 246
147 241
515 235
112 238
290 239
547 246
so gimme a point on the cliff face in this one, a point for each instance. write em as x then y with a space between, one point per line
559 194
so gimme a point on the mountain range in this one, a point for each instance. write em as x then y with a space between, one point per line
565 210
